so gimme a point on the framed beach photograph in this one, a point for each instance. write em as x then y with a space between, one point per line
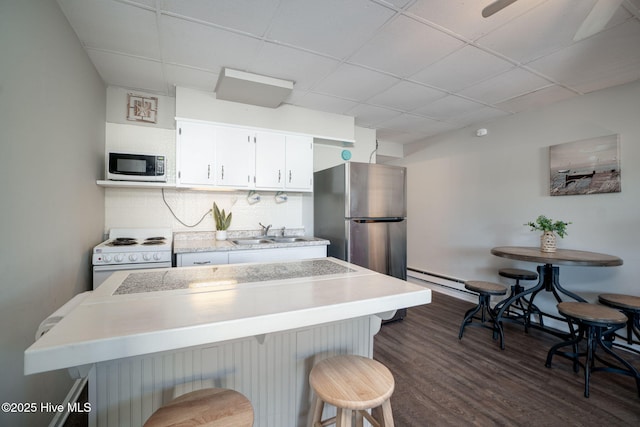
587 166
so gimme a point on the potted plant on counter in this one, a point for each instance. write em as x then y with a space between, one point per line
549 230
223 221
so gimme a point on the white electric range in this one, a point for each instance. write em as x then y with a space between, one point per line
131 249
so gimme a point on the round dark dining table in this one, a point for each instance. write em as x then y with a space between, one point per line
549 274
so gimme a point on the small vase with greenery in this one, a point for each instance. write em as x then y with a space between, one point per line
549 230
223 221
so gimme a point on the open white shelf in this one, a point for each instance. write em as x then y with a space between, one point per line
135 184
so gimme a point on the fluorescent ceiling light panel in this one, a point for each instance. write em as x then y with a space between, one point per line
254 89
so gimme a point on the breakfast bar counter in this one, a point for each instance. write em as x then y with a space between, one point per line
256 328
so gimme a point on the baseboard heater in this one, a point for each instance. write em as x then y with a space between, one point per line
448 282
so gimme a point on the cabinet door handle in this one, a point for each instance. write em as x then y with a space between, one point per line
201 262
279 175
208 171
222 173
289 176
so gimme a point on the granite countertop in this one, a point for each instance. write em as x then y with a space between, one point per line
226 275
205 241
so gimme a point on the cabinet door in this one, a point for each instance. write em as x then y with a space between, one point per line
195 154
202 258
270 160
299 161
235 162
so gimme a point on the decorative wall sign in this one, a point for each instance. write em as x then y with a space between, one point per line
588 166
142 109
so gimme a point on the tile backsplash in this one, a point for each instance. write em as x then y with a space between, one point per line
126 207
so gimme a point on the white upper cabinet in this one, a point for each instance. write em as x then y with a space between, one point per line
195 154
284 162
299 161
232 157
235 163
270 160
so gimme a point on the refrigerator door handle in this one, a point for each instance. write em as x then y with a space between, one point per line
370 220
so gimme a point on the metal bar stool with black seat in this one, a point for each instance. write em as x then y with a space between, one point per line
485 290
522 304
595 323
630 306
212 407
353 384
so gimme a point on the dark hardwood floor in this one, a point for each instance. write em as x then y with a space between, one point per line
443 381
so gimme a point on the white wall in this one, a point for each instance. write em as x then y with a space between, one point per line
146 207
52 109
468 194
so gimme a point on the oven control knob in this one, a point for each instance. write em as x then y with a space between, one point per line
133 257
146 257
157 256
107 258
119 258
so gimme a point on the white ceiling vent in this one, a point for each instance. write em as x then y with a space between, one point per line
254 89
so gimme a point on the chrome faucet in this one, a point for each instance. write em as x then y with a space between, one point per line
282 231
265 229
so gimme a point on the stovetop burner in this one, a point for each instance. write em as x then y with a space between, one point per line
123 241
150 242
156 238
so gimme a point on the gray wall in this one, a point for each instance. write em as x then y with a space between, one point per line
52 113
468 194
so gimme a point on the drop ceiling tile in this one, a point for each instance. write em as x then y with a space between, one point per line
465 17
303 68
206 47
478 116
504 86
316 101
413 123
448 107
406 96
332 27
462 69
405 46
538 98
244 15
129 71
398 137
115 26
633 6
355 83
608 58
398 3
370 115
177 75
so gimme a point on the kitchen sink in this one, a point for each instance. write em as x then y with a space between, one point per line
289 239
251 241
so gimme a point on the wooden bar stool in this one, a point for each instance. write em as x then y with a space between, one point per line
213 407
630 306
353 384
484 290
595 323
523 306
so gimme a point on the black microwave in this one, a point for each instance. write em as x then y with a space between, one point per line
136 167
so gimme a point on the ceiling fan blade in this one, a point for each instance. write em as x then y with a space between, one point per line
496 6
597 19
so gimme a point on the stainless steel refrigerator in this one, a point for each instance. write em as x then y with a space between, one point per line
361 209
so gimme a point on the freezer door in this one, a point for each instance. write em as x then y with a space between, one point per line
375 191
379 245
